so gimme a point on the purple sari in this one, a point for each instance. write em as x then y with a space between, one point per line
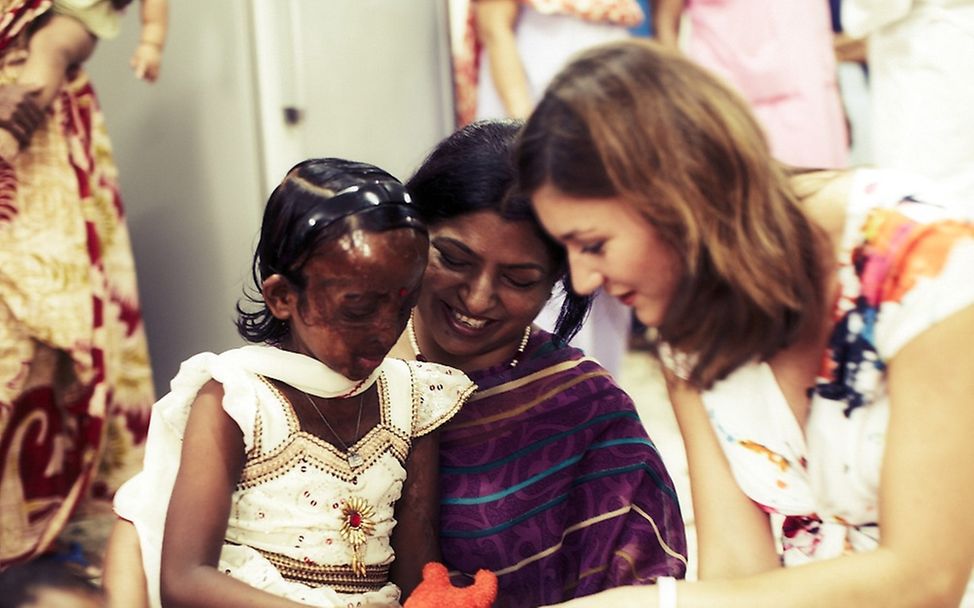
549 480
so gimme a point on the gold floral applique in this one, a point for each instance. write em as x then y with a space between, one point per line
357 525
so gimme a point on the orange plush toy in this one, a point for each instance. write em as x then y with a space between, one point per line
436 590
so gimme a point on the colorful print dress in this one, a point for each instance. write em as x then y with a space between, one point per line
903 268
303 523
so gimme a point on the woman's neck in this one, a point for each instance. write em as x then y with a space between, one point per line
416 343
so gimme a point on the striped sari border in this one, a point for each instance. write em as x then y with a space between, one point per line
541 373
447 533
620 512
537 445
476 500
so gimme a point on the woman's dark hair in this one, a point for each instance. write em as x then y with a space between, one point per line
317 201
472 170
631 120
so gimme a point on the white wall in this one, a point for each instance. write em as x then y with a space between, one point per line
194 167
188 160
371 79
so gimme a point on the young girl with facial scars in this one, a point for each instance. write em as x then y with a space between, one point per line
302 469
814 327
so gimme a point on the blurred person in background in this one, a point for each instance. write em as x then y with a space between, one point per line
779 56
518 46
75 380
921 73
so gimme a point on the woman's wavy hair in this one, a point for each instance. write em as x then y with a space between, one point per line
472 170
287 242
632 120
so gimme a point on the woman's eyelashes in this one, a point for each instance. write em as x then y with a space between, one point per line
451 261
592 247
521 283
458 262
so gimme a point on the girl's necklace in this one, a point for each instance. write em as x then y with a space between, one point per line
355 460
414 343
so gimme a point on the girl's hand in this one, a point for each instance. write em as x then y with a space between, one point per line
146 61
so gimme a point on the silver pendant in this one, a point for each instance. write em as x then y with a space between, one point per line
354 460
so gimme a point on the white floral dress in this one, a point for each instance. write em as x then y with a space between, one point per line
303 524
903 268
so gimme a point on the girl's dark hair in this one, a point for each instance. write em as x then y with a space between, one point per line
317 201
472 170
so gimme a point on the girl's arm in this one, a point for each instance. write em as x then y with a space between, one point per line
666 21
495 21
925 500
415 539
196 522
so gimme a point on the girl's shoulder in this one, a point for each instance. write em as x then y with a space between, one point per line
430 392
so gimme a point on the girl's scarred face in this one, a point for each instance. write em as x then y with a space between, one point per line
610 245
487 279
359 293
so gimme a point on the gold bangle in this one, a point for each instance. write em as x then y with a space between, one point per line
158 45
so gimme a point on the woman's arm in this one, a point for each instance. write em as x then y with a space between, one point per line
415 538
666 21
60 44
926 496
495 21
196 522
724 549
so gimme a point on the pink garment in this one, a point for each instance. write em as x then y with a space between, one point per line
779 56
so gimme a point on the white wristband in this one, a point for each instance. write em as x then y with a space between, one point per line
667 591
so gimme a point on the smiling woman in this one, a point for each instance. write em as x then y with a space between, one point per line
478 298
548 477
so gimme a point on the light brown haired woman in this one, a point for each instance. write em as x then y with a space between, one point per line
805 320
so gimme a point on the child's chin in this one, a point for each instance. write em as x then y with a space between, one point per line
362 368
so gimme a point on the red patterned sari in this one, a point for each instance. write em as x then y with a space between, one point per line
75 381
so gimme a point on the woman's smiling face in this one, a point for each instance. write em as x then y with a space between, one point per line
487 279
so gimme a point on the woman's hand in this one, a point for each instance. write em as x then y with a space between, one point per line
20 115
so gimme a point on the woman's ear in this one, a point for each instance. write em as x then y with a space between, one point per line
279 296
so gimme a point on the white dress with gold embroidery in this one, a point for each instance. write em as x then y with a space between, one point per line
296 492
